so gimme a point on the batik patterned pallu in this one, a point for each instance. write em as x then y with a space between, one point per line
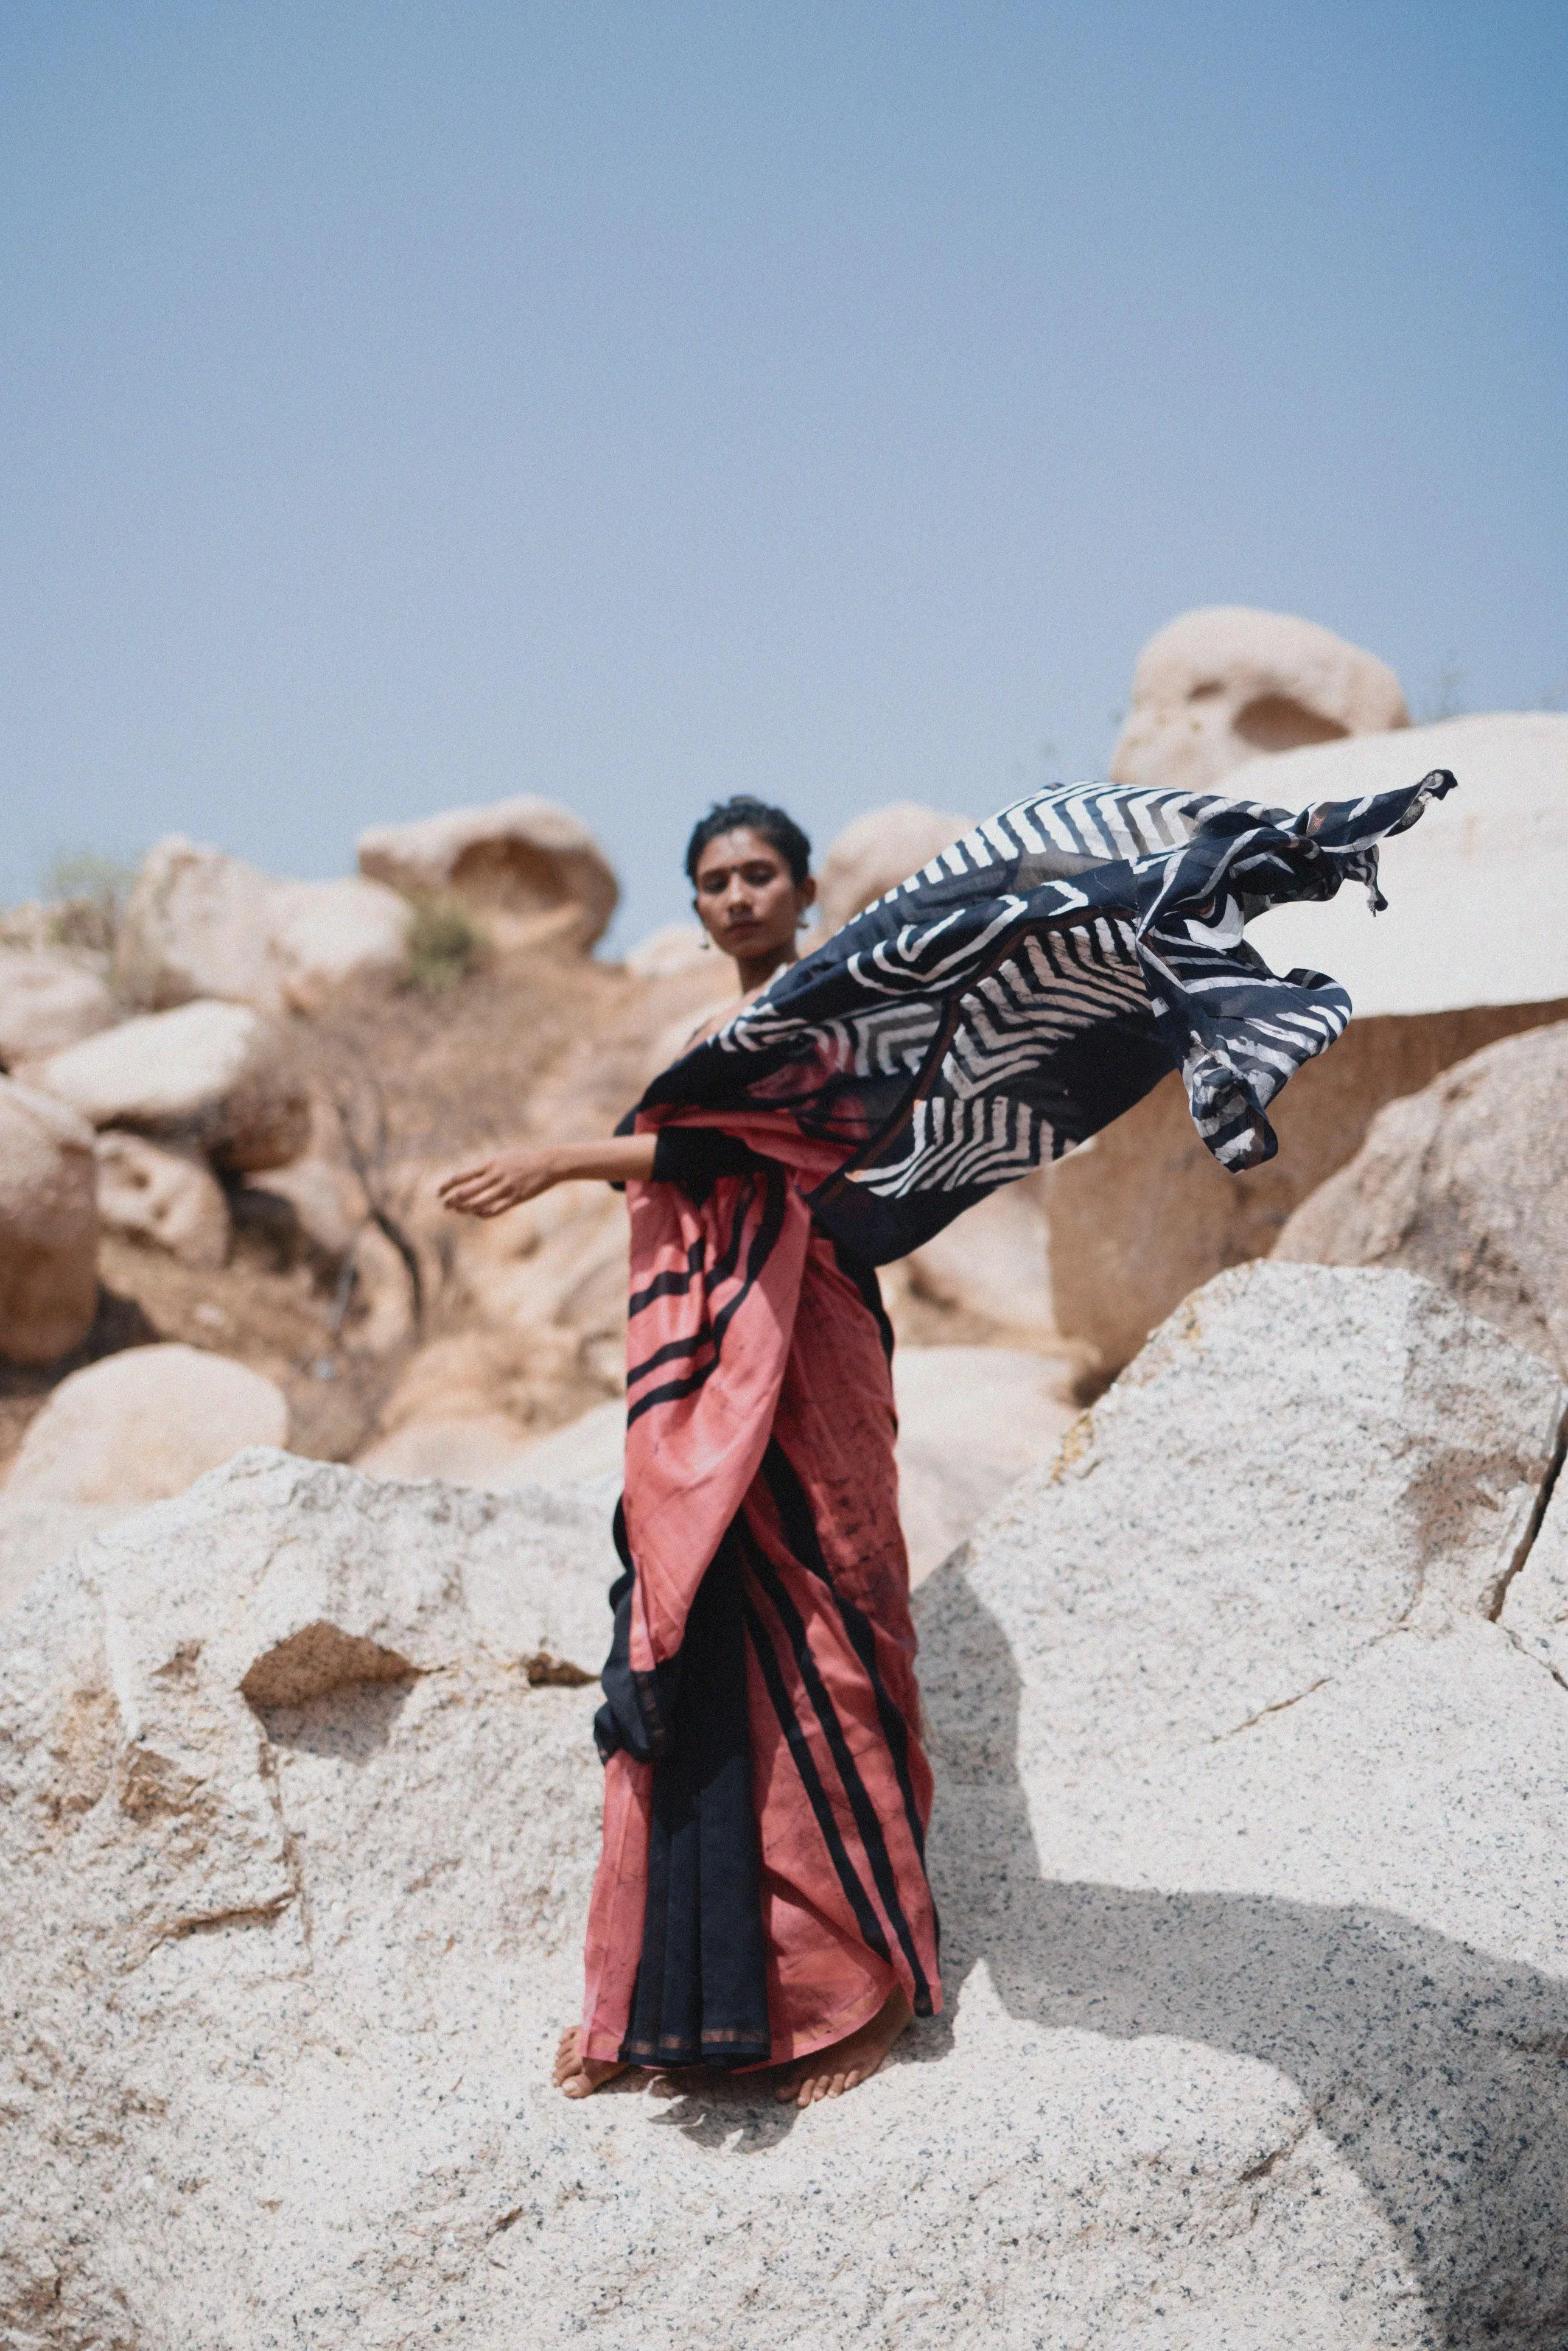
762 1885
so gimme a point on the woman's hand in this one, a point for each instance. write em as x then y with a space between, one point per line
490 1186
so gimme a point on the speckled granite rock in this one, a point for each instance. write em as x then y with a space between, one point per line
1241 1773
1466 1182
1535 1611
1250 1843
34 1534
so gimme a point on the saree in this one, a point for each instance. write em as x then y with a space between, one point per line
761 1886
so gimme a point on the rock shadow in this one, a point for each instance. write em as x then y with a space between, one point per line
350 1724
1440 2072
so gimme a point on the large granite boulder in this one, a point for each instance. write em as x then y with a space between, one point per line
213 1077
1475 890
48 1000
324 932
197 924
877 852
1467 1183
971 1420
202 924
34 1534
527 869
1247 1844
48 1226
990 1266
471 1404
168 1199
142 1425
1249 1821
1216 687
1471 948
557 1265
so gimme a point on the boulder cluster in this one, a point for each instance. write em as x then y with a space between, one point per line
1246 1685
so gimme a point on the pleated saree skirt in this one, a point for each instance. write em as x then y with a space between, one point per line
762 1885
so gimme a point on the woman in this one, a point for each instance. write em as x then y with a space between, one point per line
761 1894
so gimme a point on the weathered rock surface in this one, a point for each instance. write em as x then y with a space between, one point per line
47 1000
473 1401
591 1446
1216 687
1475 890
523 865
142 1425
1535 1612
323 933
1467 1184
1471 949
463 1448
198 923
202 924
34 1534
557 1264
1245 1789
214 1077
971 1420
876 852
1250 1843
1141 1215
48 1226
170 1199
993 1261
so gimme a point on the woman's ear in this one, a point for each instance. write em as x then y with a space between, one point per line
807 891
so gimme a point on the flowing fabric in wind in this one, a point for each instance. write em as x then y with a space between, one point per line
762 1885
1035 981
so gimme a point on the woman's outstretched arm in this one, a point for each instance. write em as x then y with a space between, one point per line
489 1186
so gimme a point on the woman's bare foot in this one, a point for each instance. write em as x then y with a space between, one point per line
829 2072
578 2075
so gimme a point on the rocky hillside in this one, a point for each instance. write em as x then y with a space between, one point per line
1248 1721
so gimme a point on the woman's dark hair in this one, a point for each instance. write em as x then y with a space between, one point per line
781 832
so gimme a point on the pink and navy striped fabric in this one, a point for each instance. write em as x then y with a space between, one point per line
762 1885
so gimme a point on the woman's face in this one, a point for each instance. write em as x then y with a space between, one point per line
747 900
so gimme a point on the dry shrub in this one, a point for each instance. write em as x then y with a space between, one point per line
445 945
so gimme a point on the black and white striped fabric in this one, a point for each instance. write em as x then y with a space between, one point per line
1036 980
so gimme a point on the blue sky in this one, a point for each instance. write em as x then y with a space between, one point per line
406 407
